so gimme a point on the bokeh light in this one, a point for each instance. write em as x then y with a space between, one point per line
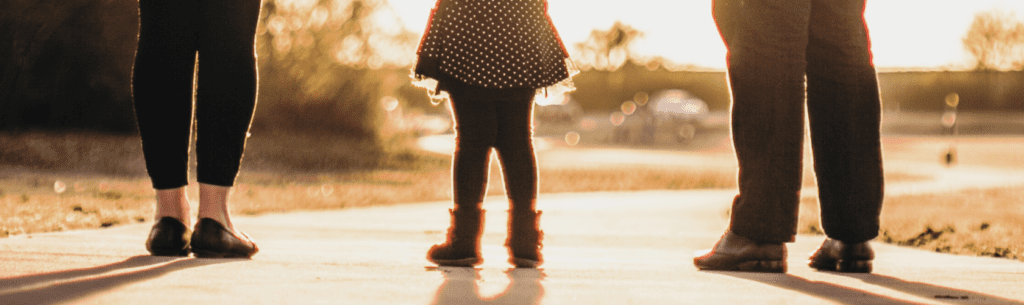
949 119
588 124
389 103
59 187
641 98
617 118
327 190
552 99
572 138
628 107
952 100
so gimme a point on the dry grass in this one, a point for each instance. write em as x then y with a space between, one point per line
29 203
634 178
975 222
104 178
104 184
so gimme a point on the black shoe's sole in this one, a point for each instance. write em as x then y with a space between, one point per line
199 253
847 266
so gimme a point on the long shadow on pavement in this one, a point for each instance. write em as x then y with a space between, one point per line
828 291
64 286
929 291
460 287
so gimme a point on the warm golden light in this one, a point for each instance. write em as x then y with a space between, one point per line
952 100
572 138
684 33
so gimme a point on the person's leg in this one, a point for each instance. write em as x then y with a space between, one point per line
476 132
844 110
475 136
162 81
214 204
514 146
225 98
766 42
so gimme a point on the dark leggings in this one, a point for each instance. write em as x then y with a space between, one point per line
171 33
493 118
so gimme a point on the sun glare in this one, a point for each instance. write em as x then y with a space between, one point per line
684 32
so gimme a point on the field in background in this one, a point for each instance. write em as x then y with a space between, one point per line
67 182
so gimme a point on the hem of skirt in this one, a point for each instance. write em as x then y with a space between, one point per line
438 94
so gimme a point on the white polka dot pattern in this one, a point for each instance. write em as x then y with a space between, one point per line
493 44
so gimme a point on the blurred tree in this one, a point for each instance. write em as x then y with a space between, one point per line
66 64
607 49
326 64
996 39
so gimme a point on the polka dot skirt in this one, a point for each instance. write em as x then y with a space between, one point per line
493 44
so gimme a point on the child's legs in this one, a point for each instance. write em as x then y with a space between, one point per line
475 129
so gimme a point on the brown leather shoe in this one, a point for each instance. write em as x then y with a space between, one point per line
211 240
738 253
169 237
835 255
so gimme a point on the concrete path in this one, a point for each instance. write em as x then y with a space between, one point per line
600 248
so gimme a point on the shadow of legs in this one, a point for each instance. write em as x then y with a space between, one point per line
828 291
929 291
131 262
74 284
460 287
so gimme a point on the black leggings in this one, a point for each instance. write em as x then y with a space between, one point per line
171 33
493 118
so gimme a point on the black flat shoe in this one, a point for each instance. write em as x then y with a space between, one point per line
212 240
834 255
738 253
169 237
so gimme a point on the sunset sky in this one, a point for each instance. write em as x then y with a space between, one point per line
920 34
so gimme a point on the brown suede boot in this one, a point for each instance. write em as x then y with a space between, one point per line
462 248
524 239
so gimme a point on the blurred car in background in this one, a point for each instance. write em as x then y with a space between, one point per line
557 109
672 115
678 113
